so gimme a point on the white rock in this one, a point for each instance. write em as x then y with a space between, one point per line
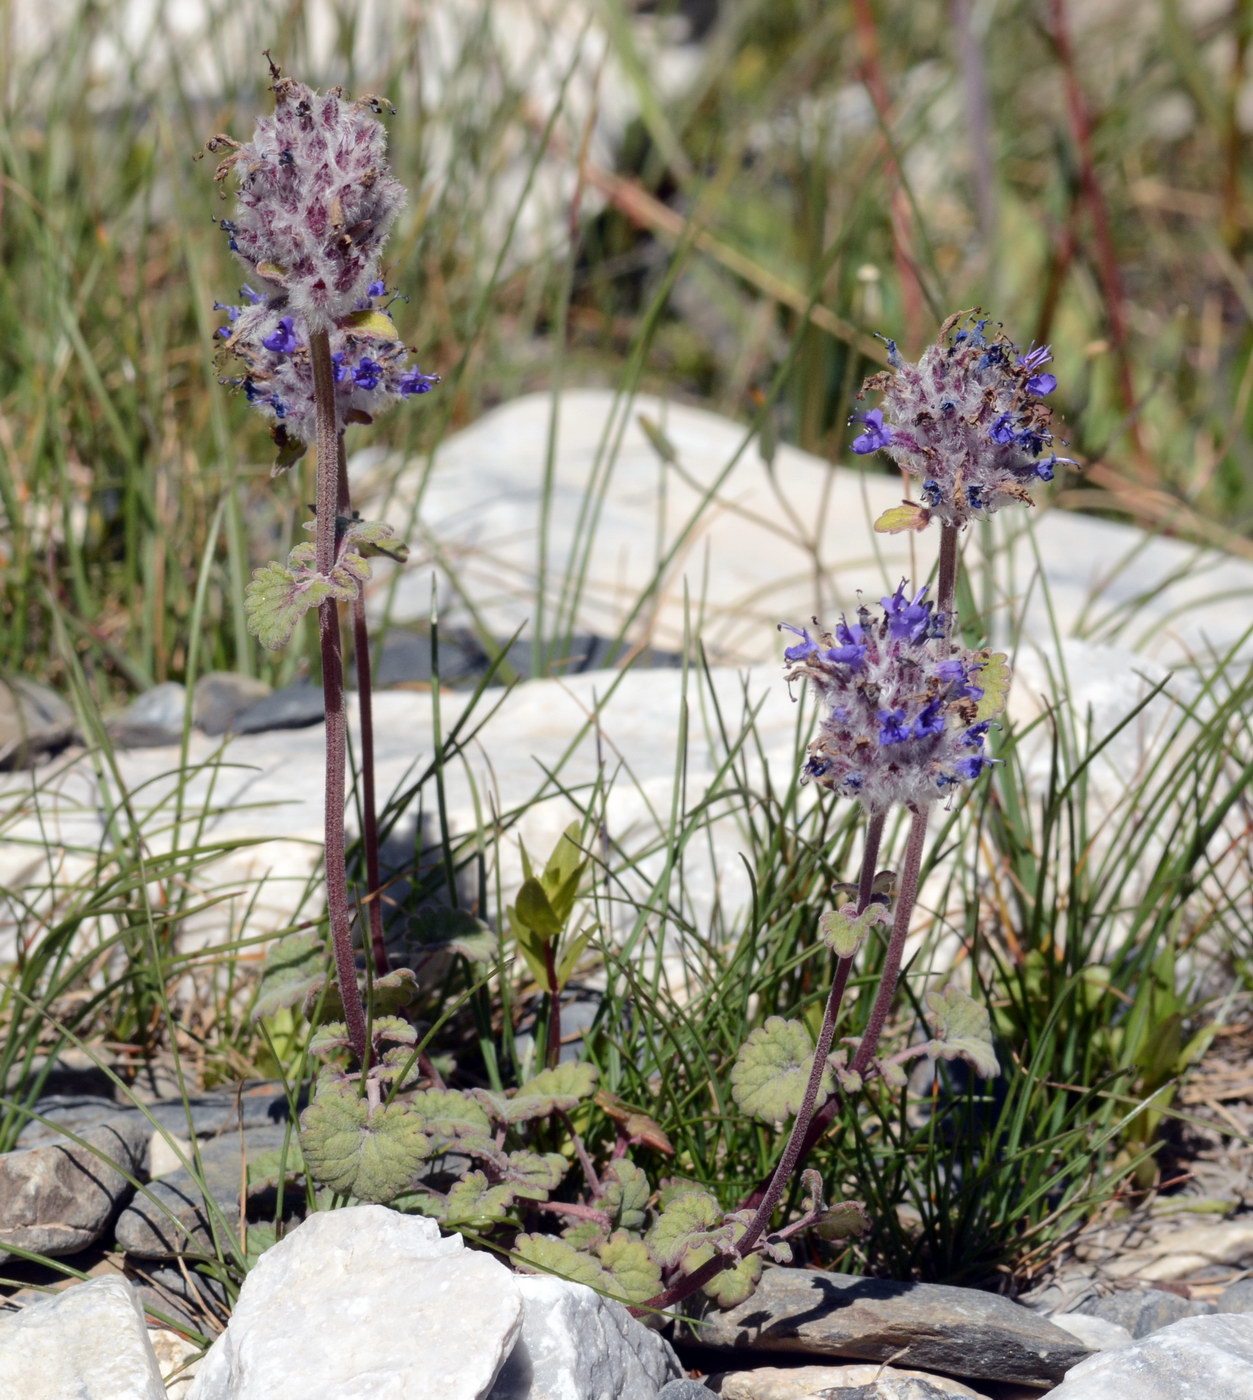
1200 1358
576 1345
1182 1252
175 1357
88 1342
1094 1332
365 1304
808 1382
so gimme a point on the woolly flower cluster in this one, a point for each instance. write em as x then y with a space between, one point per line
316 199
906 712
967 420
371 367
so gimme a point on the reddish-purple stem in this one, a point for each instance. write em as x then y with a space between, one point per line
338 908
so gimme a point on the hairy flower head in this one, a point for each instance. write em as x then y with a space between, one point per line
967 420
905 710
316 199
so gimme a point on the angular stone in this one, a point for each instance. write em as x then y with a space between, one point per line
802 1382
87 1342
220 697
365 1304
684 1389
293 707
1210 1357
178 1360
34 721
1238 1298
956 1331
155 717
171 1216
1096 1333
189 1300
59 1197
576 1344
1143 1310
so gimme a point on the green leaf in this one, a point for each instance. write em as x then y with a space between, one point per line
771 1071
684 1227
277 598
586 1235
552 1089
475 1202
659 442
370 1155
534 910
445 1113
844 930
993 678
534 1175
633 1273
543 1254
370 323
571 954
732 1286
566 864
372 539
293 966
845 1221
332 1035
394 991
394 1030
261 1237
624 1194
277 1164
963 1030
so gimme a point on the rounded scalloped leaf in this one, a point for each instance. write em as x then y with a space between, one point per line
634 1274
534 1174
276 600
474 1201
963 1030
294 966
560 1088
394 1030
684 1227
543 1254
449 1114
732 1286
586 1235
846 1221
394 991
843 930
771 1071
331 1035
370 1155
625 1193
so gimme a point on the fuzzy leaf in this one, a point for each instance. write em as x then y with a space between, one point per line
550 1090
278 597
777 1250
293 966
892 1074
909 515
624 1194
730 1288
639 1127
586 1235
847 1221
844 930
633 1273
993 678
399 1066
771 1071
394 1030
534 1174
474 1201
447 1114
332 1035
278 1164
372 1156
543 1254
372 324
371 539
684 1227
963 1030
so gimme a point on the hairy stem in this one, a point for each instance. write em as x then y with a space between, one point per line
365 706
946 585
552 1053
337 904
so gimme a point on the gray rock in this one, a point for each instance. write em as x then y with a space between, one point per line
365 1302
87 1342
576 1345
186 1296
1144 1310
1198 1357
292 707
34 722
684 1390
1238 1298
59 1197
155 717
257 1105
957 1331
1096 1333
857 1382
171 1216
220 697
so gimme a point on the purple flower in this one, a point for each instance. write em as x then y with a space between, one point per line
1038 385
805 647
1002 430
368 374
877 433
377 288
414 382
892 727
930 719
907 619
283 340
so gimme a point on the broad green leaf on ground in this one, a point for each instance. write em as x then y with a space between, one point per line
844 930
474 1201
534 1174
772 1069
624 1194
293 966
633 1272
993 678
372 1155
552 1089
447 1114
963 1030
275 1165
845 1221
261 1237
543 1254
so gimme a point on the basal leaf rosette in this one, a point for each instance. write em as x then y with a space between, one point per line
692 1228
968 420
372 1154
905 712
